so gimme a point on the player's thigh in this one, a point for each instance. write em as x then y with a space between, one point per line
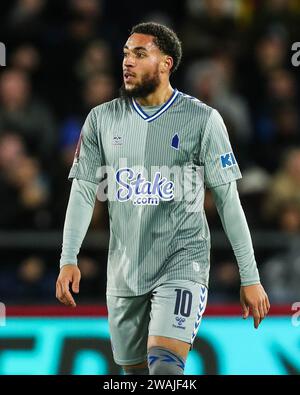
128 319
176 312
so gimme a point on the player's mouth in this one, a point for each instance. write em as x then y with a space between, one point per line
128 76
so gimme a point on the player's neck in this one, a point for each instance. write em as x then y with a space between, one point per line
161 95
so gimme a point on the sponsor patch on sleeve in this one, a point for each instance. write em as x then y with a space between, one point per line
227 160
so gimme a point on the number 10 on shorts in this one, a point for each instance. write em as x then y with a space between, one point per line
183 302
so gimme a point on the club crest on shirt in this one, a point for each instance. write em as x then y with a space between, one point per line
175 141
132 186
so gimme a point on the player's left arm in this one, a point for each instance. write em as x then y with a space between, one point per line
221 171
252 294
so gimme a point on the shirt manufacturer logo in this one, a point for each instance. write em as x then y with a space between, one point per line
179 322
117 140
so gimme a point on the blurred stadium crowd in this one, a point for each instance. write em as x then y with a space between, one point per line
64 57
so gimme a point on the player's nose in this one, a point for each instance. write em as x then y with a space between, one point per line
129 61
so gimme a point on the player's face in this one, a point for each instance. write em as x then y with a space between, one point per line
141 64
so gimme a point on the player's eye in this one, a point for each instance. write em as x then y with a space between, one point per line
125 54
140 55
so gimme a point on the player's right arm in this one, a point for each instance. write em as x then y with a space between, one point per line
85 174
69 274
78 217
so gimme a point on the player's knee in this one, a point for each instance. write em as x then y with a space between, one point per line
139 369
165 362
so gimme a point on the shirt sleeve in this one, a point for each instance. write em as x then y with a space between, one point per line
88 161
78 217
236 228
216 154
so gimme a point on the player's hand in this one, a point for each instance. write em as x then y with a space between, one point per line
69 274
254 298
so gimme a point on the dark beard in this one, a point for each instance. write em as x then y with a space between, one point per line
147 86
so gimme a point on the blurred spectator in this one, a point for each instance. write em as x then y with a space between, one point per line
209 26
27 282
277 119
12 150
23 188
269 52
281 90
34 282
282 206
25 20
28 179
96 59
20 112
98 89
212 82
26 58
84 17
32 61
277 15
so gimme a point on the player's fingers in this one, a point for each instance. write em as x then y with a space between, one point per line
59 294
66 297
66 293
261 309
256 316
268 303
56 290
245 310
75 283
68 301
266 310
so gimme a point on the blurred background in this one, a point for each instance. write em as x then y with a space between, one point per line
64 57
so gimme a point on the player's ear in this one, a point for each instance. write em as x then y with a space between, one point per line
166 64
